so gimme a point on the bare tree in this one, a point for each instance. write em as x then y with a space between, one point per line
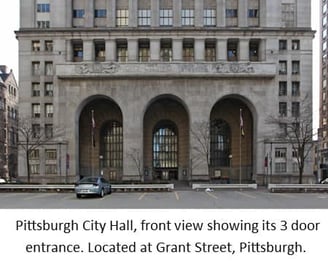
296 130
135 155
30 138
200 132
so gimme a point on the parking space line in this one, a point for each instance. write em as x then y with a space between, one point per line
282 195
177 196
246 195
142 196
212 195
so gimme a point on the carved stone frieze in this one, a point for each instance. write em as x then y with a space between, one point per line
235 68
97 68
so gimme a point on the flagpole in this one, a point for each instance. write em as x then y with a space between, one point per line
240 135
92 140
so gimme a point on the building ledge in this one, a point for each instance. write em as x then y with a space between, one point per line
175 70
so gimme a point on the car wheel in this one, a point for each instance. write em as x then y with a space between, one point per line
102 193
78 195
110 190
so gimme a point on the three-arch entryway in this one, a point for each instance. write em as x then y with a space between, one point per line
166 141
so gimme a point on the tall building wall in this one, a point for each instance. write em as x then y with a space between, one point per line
253 55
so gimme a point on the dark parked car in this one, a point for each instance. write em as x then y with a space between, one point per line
92 186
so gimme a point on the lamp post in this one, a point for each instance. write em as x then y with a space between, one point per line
101 165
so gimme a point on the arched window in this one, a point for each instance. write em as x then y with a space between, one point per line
165 145
220 143
112 144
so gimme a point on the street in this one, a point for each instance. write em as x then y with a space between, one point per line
177 199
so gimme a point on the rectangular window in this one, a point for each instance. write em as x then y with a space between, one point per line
144 17
49 110
43 8
252 13
295 109
188 50
49 89
43 24
51 154
282 88
49 68
296 89
78 13
210 50
280 167
100 13
77 46
35 168
295 45
280 152
36 131
36 46
231 13
144 50
36 110
122 50
48 130
295 67
232 50
36 89
166 50
166 17
48 45
254 50
187 17
122 17
209 17
35 154
282 67
51 168
100 50
282 44
282 109
36 68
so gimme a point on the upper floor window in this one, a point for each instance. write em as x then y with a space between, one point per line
36 89
77 46
296 89
35 68
282 67
280 152
295 109
48 45
78 13
36 46
254 50
231 13
210 50
282 44
100 50
187 17
232 50
166 50
295 44
36 110
188 50
122 51
166 17
49 89
122 17
43 24
295 67
49 68
100 13
209 17
282 88
253 13
144 50
49 110
144 17
43 8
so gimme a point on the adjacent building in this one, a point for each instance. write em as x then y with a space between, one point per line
8 124
164 90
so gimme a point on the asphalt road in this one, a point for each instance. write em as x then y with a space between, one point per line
177 199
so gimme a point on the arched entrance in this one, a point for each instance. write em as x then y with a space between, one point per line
166 140
231 140
101 139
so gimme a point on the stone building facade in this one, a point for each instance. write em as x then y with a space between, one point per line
8 124
163 90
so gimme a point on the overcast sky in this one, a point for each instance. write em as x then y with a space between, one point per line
9 46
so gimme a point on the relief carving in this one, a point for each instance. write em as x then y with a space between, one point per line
234 68
98 68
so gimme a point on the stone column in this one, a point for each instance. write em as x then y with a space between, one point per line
111 11
154 13
133 13
177 49
89 13
199 13
110 50
88 50
220 13
155 49
69 50
221 49
133 49
177 13
199 49
242 13
244 49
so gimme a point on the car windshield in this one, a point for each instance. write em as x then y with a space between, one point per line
89 180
